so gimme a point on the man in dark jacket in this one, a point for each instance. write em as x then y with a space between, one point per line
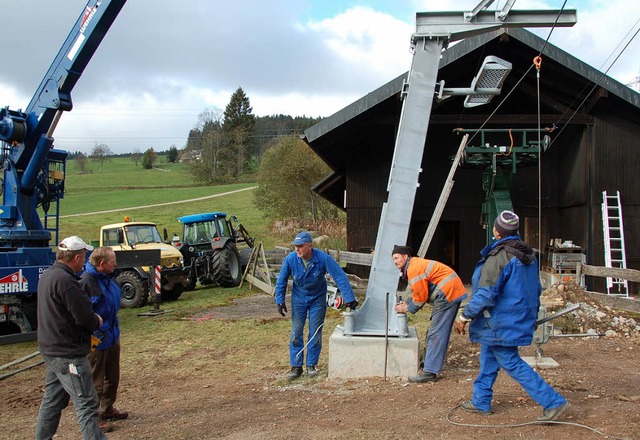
105 294
65 323
308 267
503 310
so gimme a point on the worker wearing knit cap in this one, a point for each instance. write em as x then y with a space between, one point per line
507 223
502 313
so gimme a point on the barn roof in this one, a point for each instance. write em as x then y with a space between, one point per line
565 83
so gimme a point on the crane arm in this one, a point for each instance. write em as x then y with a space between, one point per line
54 93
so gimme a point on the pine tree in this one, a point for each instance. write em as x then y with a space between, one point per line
238 126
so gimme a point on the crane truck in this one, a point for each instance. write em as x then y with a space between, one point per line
33 171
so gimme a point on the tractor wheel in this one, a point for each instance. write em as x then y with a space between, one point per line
206 280
134 290
225 265
173 294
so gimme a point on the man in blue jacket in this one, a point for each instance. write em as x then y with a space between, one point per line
105 293
308 267
503 310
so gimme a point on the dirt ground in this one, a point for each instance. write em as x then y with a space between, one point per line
598 375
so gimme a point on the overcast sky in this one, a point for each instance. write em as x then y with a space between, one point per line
165 61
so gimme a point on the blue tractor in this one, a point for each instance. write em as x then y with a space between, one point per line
210 249
33 172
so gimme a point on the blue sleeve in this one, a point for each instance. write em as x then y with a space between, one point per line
281 283
482 298
413 307
492 278
339 277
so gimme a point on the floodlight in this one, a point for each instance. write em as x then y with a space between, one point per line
486 84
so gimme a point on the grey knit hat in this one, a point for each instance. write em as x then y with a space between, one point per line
507 223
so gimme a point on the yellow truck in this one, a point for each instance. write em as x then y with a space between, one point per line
134 280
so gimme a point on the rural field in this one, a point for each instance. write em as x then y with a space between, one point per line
213 365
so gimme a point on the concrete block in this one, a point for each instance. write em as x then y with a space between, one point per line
364 356
543 363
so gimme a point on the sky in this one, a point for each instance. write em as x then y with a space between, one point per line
164 62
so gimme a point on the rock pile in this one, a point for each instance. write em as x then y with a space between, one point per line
591 318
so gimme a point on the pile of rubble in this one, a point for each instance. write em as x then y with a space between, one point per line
592 317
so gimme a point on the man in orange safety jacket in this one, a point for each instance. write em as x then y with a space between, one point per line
437 284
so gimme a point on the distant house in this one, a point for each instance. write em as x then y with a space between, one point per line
190 156
595 148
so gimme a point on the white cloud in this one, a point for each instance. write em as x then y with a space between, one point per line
370 43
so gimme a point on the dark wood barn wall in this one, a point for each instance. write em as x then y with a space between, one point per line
617 168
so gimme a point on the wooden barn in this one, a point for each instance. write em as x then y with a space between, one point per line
593 123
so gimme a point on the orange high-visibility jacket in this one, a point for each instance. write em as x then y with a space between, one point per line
421 272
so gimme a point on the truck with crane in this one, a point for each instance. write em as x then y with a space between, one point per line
33 171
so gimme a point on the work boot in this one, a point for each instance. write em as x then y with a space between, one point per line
311 371
114 414
550 414
423 376
468 406
295 373
105 426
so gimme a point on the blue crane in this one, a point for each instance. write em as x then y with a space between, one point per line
34 171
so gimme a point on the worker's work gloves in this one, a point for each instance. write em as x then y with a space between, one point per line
352 305
282 309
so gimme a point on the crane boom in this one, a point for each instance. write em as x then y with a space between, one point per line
33 172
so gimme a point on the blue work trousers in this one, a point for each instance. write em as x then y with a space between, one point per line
438 336
68 378
492 358
303 307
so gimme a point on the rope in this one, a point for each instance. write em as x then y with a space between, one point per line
518 425
309 341
537 61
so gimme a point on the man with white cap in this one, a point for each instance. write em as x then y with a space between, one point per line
503 310
65 323
308 267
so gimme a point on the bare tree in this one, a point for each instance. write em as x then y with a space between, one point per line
136 156
101 153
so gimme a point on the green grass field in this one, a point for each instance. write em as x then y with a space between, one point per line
125 187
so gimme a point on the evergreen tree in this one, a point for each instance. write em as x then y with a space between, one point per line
172 156
238 126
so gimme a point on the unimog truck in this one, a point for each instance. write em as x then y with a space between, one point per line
134 281
209 246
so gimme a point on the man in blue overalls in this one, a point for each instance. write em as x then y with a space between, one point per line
308 267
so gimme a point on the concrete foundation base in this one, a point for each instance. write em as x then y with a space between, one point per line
364 356
544 363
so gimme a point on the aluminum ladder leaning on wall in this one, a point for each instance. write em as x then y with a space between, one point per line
613 232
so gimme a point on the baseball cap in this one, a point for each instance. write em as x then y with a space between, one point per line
302 238
74 243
